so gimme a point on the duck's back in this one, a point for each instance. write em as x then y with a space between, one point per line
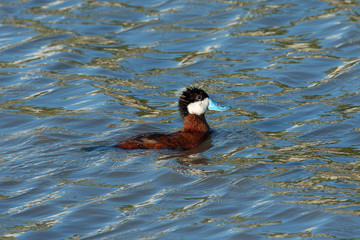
177 140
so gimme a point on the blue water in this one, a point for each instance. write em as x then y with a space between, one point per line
76 77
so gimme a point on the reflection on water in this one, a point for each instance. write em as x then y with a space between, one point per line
78 76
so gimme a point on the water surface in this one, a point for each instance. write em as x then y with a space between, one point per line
77 76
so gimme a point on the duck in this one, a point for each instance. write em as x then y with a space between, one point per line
192 105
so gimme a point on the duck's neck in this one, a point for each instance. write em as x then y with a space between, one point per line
195 123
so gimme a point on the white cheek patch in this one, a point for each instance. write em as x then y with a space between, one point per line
199 107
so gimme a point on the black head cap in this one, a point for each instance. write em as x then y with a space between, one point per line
190 95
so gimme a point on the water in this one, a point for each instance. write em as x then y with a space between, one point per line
78 76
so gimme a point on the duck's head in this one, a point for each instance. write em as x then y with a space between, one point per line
196 101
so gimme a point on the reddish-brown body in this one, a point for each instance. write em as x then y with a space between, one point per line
195 131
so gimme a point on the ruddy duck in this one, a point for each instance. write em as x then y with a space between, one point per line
193 104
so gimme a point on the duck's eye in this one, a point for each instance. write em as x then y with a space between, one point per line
198 98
